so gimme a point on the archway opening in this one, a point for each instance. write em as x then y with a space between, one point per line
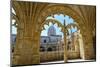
50 40
72 35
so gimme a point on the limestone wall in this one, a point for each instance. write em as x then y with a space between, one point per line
56 56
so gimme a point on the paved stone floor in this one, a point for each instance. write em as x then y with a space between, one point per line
69 61
61 62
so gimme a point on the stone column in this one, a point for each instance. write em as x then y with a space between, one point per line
36 48
65 44
77 44
27 45
88 45
19 44
81 46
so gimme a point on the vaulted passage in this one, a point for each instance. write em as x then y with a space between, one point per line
52 32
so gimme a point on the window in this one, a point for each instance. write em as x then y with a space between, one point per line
15 40
44 41
42 48
69 45
49 49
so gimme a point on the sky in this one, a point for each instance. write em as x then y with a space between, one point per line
60 18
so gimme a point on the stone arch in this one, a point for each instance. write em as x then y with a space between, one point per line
50 20
60 25
62 9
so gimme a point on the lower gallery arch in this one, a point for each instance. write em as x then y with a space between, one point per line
77 53
55 9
